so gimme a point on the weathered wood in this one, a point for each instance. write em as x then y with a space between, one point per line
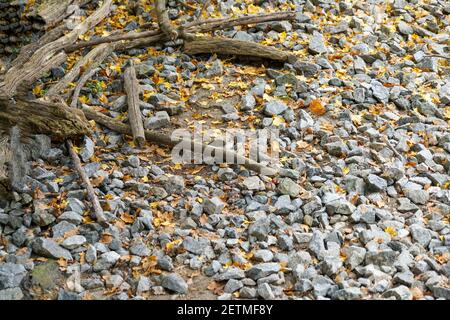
235 47
91 60
98 211
83 79
163 20
40 117
51 12
27 51
135 39
14 78
132 89
18 167
165 140
5 157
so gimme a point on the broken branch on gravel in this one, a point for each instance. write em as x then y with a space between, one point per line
91 60
149 37
33 67
132 89
235 47
41 117
83 79
167 141
98 211
163 20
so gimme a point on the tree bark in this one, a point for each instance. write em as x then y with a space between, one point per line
14 78
235 47
163 20
134 112
98 211
56 120
91 60
152 36
167 141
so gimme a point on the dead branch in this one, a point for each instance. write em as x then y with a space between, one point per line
148 37
164 140
83 79
14 78
91 60
18 168
163 20
134 112
235 47
41 117
98 211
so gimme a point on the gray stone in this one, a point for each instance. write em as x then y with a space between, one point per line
11 275
306 69
213 206
215 70
231 273
174 184
254 183
87 150
375 183
381 257
248 102
175 283
399 293
260 229
420 234
348 294
265 291
340 206
248 293
138 248
317 44
380 92
71 217
11 294
106 261
263 255
275 107
337 149
354 256
317 245
161 119
429 64
404 28
405 205
417 196
226 174
50 249
233 285
74 242
262 270
42 217
288 187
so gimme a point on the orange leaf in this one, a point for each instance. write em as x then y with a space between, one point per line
317 108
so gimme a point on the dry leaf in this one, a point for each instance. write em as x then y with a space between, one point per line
317 107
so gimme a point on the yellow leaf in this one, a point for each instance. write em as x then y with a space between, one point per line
83 99
252 9
317 108
277 121
391 231
76 149
37 90
346 170
58 180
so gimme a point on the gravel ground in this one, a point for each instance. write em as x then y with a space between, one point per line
362 213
